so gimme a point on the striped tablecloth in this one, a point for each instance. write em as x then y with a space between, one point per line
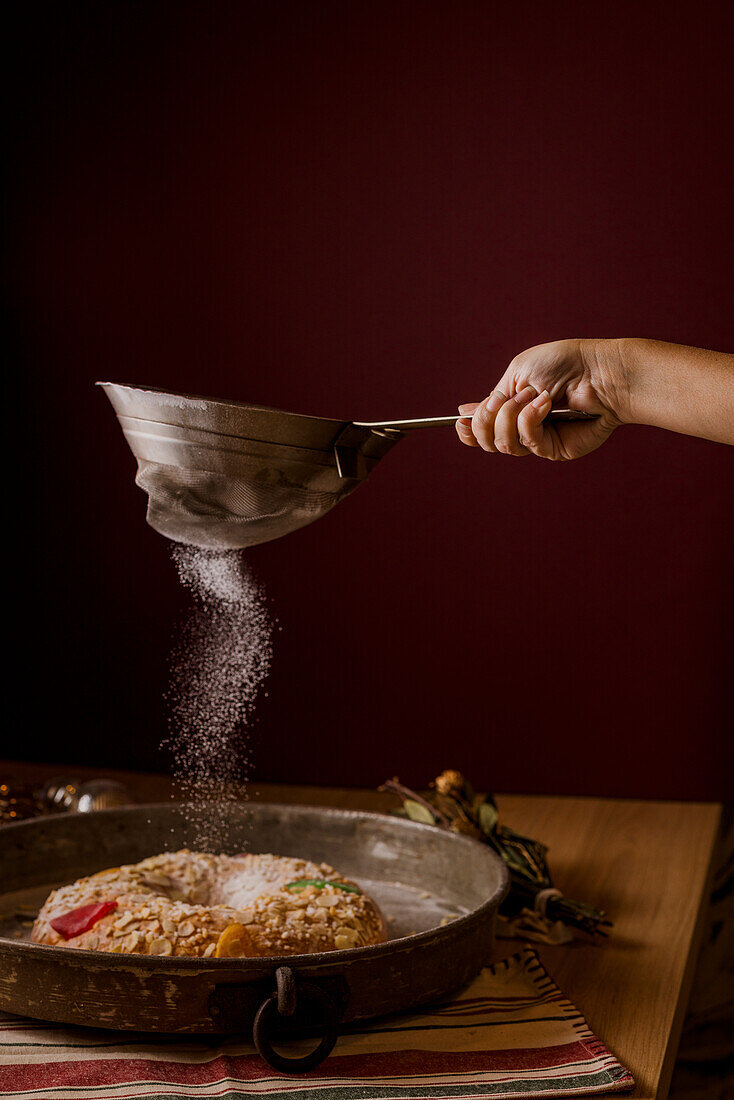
511 1033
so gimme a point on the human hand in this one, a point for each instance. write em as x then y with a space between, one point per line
585 375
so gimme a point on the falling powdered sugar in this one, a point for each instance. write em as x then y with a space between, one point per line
218 665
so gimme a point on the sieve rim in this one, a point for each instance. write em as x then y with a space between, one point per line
225 403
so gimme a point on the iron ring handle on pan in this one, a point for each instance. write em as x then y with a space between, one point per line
282 1004
437 421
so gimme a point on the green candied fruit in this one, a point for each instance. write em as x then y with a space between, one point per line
320 884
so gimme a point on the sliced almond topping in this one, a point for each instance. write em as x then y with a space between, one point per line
161 946
157 878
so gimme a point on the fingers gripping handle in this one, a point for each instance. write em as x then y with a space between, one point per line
347 456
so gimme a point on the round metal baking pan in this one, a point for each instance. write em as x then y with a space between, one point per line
439 892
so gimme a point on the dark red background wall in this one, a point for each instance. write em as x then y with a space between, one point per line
365 209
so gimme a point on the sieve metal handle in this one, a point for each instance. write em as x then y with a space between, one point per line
437 421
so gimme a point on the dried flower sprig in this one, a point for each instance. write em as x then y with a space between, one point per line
452 804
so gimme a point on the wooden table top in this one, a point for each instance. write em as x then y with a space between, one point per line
647 863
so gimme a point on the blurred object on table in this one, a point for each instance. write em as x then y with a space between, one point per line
18 802
60 794
63 793
101 794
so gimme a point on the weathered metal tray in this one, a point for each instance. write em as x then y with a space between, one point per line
439 892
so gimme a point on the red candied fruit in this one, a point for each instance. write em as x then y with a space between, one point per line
77 921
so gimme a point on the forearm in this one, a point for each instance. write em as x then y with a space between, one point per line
683 389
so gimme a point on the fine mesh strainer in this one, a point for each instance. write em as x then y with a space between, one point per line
225 475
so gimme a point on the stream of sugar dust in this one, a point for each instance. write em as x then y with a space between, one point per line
218 665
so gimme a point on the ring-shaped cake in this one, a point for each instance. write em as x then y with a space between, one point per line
202 905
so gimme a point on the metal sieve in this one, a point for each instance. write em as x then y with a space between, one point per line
225 475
